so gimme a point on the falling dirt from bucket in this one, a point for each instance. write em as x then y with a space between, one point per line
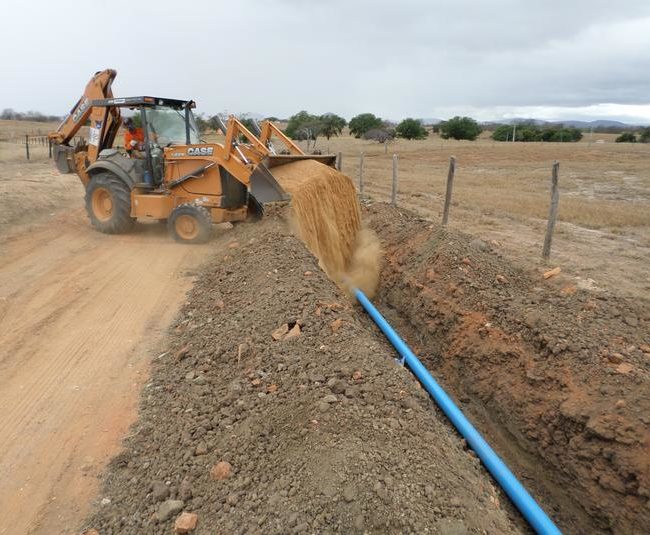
326 215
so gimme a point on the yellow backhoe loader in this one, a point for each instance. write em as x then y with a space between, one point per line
176 177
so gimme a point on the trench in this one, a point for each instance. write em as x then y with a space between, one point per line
553 492
537 410
326 216
450 301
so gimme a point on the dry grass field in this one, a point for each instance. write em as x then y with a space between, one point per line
502 193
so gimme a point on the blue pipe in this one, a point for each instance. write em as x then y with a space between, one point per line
526 504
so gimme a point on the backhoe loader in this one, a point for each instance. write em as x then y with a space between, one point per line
178 177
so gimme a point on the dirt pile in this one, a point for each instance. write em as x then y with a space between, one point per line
326 216
278 408
557 378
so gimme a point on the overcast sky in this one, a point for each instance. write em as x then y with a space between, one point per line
489 59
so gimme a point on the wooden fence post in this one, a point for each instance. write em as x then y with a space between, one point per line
49 148
450 187
393 197
339 161
27 145
552 212
361 174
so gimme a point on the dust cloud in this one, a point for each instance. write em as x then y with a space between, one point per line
326 217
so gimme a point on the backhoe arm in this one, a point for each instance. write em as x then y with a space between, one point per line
99 86
104 125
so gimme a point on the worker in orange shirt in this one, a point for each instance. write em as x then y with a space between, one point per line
133 138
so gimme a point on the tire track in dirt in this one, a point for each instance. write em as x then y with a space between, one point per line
80 315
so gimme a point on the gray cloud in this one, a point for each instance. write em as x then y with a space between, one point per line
415 58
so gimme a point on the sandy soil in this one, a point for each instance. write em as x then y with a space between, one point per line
80 315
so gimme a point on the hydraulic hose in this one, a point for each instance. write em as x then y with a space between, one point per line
526 504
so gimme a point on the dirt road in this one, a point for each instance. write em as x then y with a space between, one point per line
80 316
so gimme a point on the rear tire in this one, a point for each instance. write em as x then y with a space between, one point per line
108 203
189 223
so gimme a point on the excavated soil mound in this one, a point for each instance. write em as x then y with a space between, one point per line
556 377
325 213
272 370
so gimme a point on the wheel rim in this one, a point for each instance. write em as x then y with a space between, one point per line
102 202
186 227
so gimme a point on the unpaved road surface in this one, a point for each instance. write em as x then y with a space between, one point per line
80 315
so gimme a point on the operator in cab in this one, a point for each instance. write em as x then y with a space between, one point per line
133 138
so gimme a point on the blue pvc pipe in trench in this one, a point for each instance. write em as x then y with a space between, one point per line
526 504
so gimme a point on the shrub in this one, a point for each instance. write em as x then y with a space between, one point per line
460 128
363 122
626 137
379 134
411 129
502 133
533 132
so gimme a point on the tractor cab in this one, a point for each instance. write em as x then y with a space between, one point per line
164 123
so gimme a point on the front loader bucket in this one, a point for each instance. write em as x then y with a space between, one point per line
264 187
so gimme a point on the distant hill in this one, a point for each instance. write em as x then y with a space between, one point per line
428 121
599 123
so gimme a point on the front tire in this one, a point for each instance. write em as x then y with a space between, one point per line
189 223
108 203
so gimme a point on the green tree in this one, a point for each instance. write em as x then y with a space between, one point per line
563 134
411 129
363 122
303 125
528 132
644 136
626 137
532 132
460 128
332 125
502 133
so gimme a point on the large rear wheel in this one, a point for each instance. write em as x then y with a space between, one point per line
189 223
108 203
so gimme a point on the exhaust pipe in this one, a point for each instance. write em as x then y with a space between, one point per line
526 504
